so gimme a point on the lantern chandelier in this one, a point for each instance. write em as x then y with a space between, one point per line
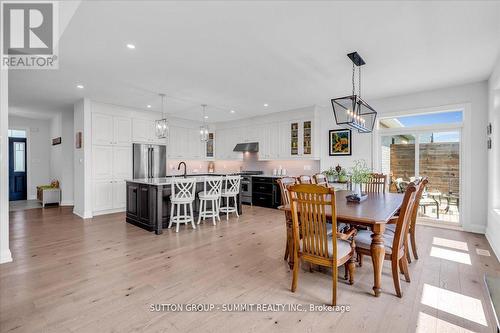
204 127
352 110
162 124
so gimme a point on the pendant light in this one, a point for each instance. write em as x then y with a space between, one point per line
351 110
162 124
204 127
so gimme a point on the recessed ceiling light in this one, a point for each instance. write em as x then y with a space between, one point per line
131 46
206 117
80 86
148 106
266 105
232 111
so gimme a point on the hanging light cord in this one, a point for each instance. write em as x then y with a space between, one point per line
353 83
359 82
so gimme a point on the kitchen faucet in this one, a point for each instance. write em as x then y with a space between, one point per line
179 167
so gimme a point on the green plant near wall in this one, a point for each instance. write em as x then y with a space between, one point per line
360 173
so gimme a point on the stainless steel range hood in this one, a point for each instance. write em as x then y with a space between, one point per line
252 147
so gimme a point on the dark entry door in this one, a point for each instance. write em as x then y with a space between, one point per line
17 169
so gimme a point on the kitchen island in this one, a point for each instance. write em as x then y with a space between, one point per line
148 202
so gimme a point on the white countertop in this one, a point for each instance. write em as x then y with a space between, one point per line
163 181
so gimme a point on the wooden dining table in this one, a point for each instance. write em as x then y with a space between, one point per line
374 212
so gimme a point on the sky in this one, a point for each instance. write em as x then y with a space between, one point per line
435 119
431 119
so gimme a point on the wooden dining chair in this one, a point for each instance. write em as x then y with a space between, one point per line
305 179
394 243
309 204
320 179
375 184
411 237
285 200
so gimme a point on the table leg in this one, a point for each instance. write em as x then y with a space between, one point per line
378 253
159 210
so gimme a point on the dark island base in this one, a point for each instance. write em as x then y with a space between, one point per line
142 205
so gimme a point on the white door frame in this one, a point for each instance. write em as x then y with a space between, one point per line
465 141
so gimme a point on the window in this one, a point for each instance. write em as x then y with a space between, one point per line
19 157
17 133
428 119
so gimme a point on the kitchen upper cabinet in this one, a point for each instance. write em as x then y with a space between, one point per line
269 141
122 131
102 129
298 138
111 130
227 138
142 130
185 143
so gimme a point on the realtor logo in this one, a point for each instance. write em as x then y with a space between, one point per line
29 31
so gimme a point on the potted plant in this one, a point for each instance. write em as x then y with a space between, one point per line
359 174
342 176
330 174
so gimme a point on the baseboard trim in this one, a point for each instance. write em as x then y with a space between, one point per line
67 203
83 216
109 211
496 250
5 256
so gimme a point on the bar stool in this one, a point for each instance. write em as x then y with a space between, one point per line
212 189
183 194
231 190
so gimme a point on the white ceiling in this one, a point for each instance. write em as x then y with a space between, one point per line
240 55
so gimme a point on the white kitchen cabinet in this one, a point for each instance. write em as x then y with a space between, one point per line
102 162
269 141
297 139
111 130
122 163
141 130
227 138
103 195
102 129
122 131
119 195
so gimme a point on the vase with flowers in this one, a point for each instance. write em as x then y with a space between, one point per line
360 174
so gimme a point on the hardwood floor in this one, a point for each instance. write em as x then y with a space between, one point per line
102 275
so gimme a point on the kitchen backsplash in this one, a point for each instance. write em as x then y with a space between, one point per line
250 162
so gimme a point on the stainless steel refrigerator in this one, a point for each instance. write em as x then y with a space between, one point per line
150 161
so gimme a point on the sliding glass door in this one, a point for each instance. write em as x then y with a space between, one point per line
427 149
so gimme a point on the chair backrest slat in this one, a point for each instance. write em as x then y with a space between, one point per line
376 183
232 184
309 205
284 183
212 186
320 179
305 179
183 188
405 214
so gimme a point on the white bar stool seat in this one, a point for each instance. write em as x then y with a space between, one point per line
212 189
183 194
230 191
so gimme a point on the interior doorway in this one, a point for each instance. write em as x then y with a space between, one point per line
18 180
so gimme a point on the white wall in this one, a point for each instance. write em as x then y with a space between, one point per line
5 254
81 159
493 228
474 137
38 150
61 156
